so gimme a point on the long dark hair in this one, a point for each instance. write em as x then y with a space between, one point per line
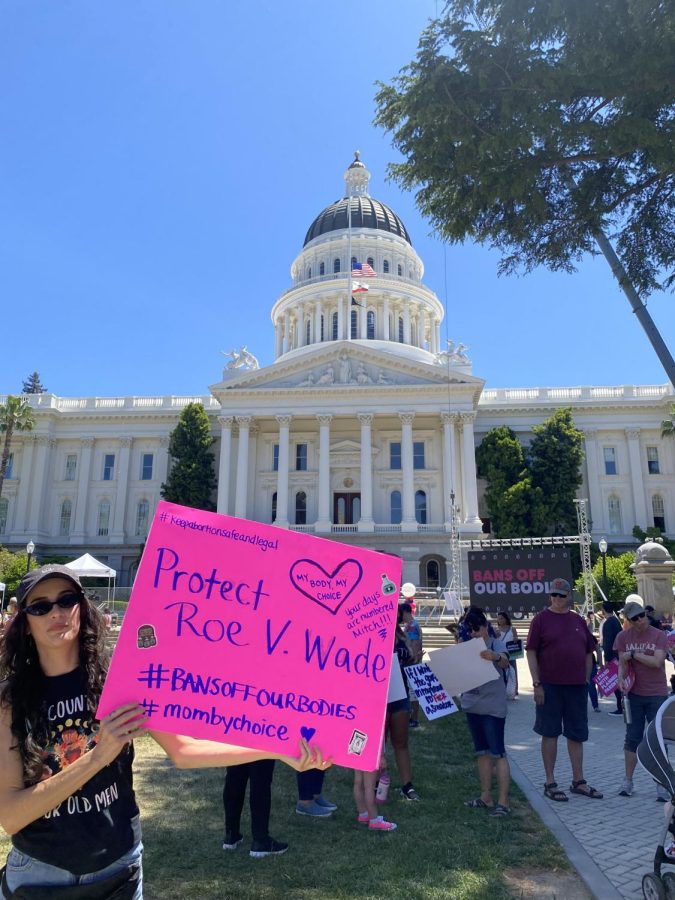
23 682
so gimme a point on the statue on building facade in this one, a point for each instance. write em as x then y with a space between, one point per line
241 359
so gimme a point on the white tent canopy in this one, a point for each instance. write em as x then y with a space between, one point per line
87 566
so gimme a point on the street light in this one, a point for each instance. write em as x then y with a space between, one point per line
30 550
602 546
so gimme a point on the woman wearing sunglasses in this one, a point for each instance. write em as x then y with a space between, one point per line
66 794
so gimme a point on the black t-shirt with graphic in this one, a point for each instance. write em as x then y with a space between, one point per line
97 824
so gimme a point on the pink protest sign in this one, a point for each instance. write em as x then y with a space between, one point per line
607 678
252 635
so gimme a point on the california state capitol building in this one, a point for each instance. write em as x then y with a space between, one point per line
360 430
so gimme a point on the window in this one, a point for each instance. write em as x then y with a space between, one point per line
322 268
610 460
371 262
433 574
370 325
354 325
309 272
418 455
399 269
385 267
142 518
336 265
334 327
108 466
274 507
146 466
103 518
308 329
322 337
10 466
354 261
4 507
64 518
395 455
400 330
301 508
421 507
395 510
301 457
275 458
71 467
653 460
659 513
614 509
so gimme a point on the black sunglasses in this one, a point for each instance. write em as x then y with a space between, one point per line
639 616
554 594
42 607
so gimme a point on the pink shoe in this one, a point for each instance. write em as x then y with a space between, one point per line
363 818
379 824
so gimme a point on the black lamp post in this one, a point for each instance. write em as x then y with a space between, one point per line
30 550
602 546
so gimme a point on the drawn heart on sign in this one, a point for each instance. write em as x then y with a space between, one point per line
328 589
307 733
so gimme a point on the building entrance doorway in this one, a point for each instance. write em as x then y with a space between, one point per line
346 509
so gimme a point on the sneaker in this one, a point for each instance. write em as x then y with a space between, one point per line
414 723
363 818
232 841
379 824
409 792
270 847
325 804
626 788
312 809
615 712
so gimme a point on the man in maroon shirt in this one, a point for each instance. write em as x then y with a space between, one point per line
643 648
560 656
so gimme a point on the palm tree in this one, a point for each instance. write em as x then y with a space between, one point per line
668 425
15 415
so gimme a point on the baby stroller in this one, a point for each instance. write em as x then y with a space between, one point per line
653 756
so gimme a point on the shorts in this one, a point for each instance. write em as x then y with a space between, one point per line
487 734
564 711
642 710
398 706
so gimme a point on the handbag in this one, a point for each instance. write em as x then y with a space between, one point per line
510 676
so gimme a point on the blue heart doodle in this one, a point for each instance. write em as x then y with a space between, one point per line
307 733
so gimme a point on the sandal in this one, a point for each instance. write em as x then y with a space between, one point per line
477 804
499 811
591 792
553 792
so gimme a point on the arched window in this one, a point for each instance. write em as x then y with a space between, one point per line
371 262
395 509
354 325
64 518
142 518
614 510
400 329
103 526
322 268
336 265
274 507
433 573
421 507
322 321
354 261
659 512
370 327
301 508
334 329
4 508
309 271
399 269
385 267
308 332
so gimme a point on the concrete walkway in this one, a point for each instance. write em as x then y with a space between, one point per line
611 842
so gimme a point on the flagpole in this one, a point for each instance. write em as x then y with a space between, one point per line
349 259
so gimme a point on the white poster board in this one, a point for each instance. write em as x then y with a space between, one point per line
397 689
433 698
460 667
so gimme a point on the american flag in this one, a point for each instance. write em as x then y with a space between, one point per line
363 270
358 288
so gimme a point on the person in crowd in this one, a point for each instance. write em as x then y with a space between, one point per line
397 721
592 686
311 801
654 620
107 617
59 766
609 628
506 632
259 776
559 655
364 798
485 709
413 633
642 650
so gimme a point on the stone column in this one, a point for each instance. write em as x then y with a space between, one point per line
224 464
279 334
117 530
25 481
363 317
163 460
37 482
366 522
341 318
598 516
282 474
408 521
244 423
84 474
385 319
449 464
435 336
287 332
639 505
469 487
317 322
406 324
301 342
323 522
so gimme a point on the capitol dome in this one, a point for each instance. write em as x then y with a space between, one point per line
365 213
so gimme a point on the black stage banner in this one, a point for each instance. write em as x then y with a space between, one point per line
516 579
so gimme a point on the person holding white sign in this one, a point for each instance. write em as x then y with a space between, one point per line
66 794
485 708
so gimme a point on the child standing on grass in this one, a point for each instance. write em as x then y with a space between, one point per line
364 797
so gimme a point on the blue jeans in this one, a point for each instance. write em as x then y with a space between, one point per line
23 869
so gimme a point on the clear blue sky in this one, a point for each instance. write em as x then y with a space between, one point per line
160 162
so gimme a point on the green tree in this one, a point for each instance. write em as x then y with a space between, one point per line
500 460
13 567
538 127
620 579
555 457
192 479
15 415
668 425
33 385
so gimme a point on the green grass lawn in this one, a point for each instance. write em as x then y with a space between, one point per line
440 850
